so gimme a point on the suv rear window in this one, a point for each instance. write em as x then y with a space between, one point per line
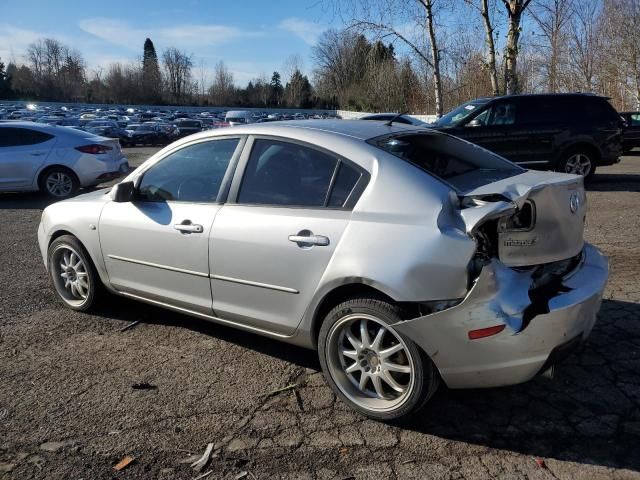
458 163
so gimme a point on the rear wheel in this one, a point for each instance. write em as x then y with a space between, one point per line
72 273
578 162
374 369
58 182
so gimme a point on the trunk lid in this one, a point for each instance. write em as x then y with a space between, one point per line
532 218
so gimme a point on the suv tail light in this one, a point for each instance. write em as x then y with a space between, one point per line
94 149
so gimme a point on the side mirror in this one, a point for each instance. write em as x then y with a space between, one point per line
474 123
123 192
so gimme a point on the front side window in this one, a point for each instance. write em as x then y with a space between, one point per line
288 174
191 174
501 113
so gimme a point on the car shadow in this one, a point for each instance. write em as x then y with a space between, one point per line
130 310
588 413
614 182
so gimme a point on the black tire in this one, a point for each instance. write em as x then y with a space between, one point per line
51 175
95 291
581 153
421 383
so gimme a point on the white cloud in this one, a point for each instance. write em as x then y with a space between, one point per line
14 41
119 32
306 30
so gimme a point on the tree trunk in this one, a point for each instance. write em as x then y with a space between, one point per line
515 8
435 57
491 49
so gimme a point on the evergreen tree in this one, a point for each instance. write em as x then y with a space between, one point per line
151 78
276 89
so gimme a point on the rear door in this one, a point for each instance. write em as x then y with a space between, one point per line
22 152
272 241
539 123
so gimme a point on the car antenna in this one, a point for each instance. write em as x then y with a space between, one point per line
388 124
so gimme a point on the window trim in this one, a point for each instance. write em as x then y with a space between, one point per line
226 179
349 203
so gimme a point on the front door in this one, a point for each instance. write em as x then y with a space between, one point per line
270 248
157 246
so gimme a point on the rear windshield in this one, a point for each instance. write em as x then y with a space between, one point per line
458 163
190 124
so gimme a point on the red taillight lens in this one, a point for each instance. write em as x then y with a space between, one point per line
94 149
485 332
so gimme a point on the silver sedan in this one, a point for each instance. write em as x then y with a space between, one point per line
405 256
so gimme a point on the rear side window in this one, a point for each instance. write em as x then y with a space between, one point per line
461 164
282 173
18 137
345 180
538 110
288 174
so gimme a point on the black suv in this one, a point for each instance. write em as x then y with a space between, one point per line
570 133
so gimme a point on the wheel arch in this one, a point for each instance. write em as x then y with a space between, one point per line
345 291
47 168
582 145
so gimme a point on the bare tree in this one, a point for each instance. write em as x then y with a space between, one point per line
222 88
485 12
177 65
552 18
585 43
382 18
515 9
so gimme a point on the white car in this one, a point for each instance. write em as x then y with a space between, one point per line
56 160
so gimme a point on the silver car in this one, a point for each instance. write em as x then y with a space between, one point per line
56 160
405 256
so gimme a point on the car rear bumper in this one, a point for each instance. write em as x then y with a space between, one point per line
527 343
105 171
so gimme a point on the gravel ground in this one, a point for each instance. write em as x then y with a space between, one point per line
68 409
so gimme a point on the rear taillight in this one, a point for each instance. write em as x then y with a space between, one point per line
94 149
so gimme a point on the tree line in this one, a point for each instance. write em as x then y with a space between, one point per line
417 56
52 71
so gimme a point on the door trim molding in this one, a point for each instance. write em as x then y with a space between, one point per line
255 284
157 265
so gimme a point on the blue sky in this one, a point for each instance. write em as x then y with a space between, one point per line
251 36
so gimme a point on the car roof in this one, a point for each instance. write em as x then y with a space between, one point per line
349 128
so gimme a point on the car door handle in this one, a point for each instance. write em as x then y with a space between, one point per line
38 154
309 240
189 227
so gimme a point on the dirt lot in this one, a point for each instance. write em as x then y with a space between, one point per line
68 409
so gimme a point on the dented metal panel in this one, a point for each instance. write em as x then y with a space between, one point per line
501 295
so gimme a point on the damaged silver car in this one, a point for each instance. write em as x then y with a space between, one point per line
405 256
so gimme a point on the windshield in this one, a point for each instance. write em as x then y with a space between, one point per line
237 119
459 114
461 164
145 128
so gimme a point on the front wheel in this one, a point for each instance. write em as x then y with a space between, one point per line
374 369
578 162
72 273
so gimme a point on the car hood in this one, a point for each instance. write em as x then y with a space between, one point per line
557 203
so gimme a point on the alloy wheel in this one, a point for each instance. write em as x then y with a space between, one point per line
59 184
70 275
578 164
369 362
